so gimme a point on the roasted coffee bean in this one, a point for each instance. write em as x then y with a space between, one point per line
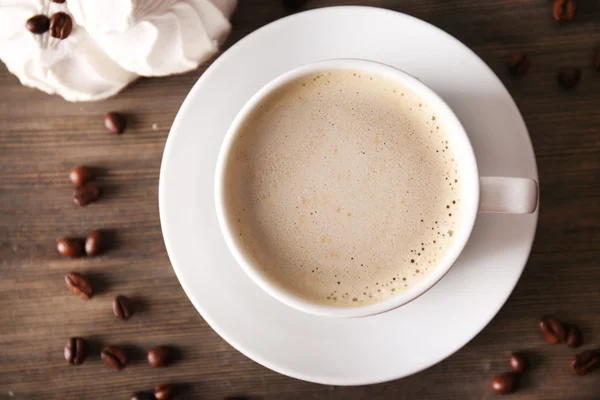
518 362
563 10
142 396
38 24
75 350
84 195
553 330
69 247
597 57
61 25
94 243
115 122
122 307
518 64
569 77
158 356
574 338
114 357
80 175
585 361
79 285
505 383
164 392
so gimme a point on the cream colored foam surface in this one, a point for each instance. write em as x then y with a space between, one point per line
342 186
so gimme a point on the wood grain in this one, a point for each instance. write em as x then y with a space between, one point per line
42 137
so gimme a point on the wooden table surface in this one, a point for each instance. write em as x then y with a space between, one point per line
42 137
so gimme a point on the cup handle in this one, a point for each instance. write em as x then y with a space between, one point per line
508 195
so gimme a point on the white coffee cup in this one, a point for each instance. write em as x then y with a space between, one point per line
479 194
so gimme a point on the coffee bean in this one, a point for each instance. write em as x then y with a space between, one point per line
122 307
69 247
38 24
142 396
164 392
84 195
574 338
505 383
115 122
158 356
61 25
518 64
114 357
552 329
518 362
597 58
569 77
563 10
94 243
585 361
80 175
75 350
79 285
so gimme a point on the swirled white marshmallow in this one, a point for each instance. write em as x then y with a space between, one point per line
75 68
156 37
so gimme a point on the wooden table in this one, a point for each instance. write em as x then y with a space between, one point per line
42 137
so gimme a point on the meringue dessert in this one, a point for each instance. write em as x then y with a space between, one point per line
89 50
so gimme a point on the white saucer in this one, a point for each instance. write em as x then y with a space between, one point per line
358 351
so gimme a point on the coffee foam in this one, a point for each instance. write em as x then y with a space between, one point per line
343 188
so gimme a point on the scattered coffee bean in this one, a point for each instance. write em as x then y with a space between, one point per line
142 396
61 25
78 285
164 392
84 195
597 58
114 357
505 383
38 24
122 307
69 247
75 350
94 243
518 64
115 122
569 77
553 330
574 338
80 175
158 356
518 362
564 10
585 361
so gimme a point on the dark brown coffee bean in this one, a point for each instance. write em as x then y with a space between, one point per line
164 392
564 10
142 396
114 357
75 350
569 77
505 383
61 25
122 307
585 361
553 330
115 122
38 24
518 362
574 338
78 285
597 57
69 247
158 356
518 64
94 243
80 175
84 195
